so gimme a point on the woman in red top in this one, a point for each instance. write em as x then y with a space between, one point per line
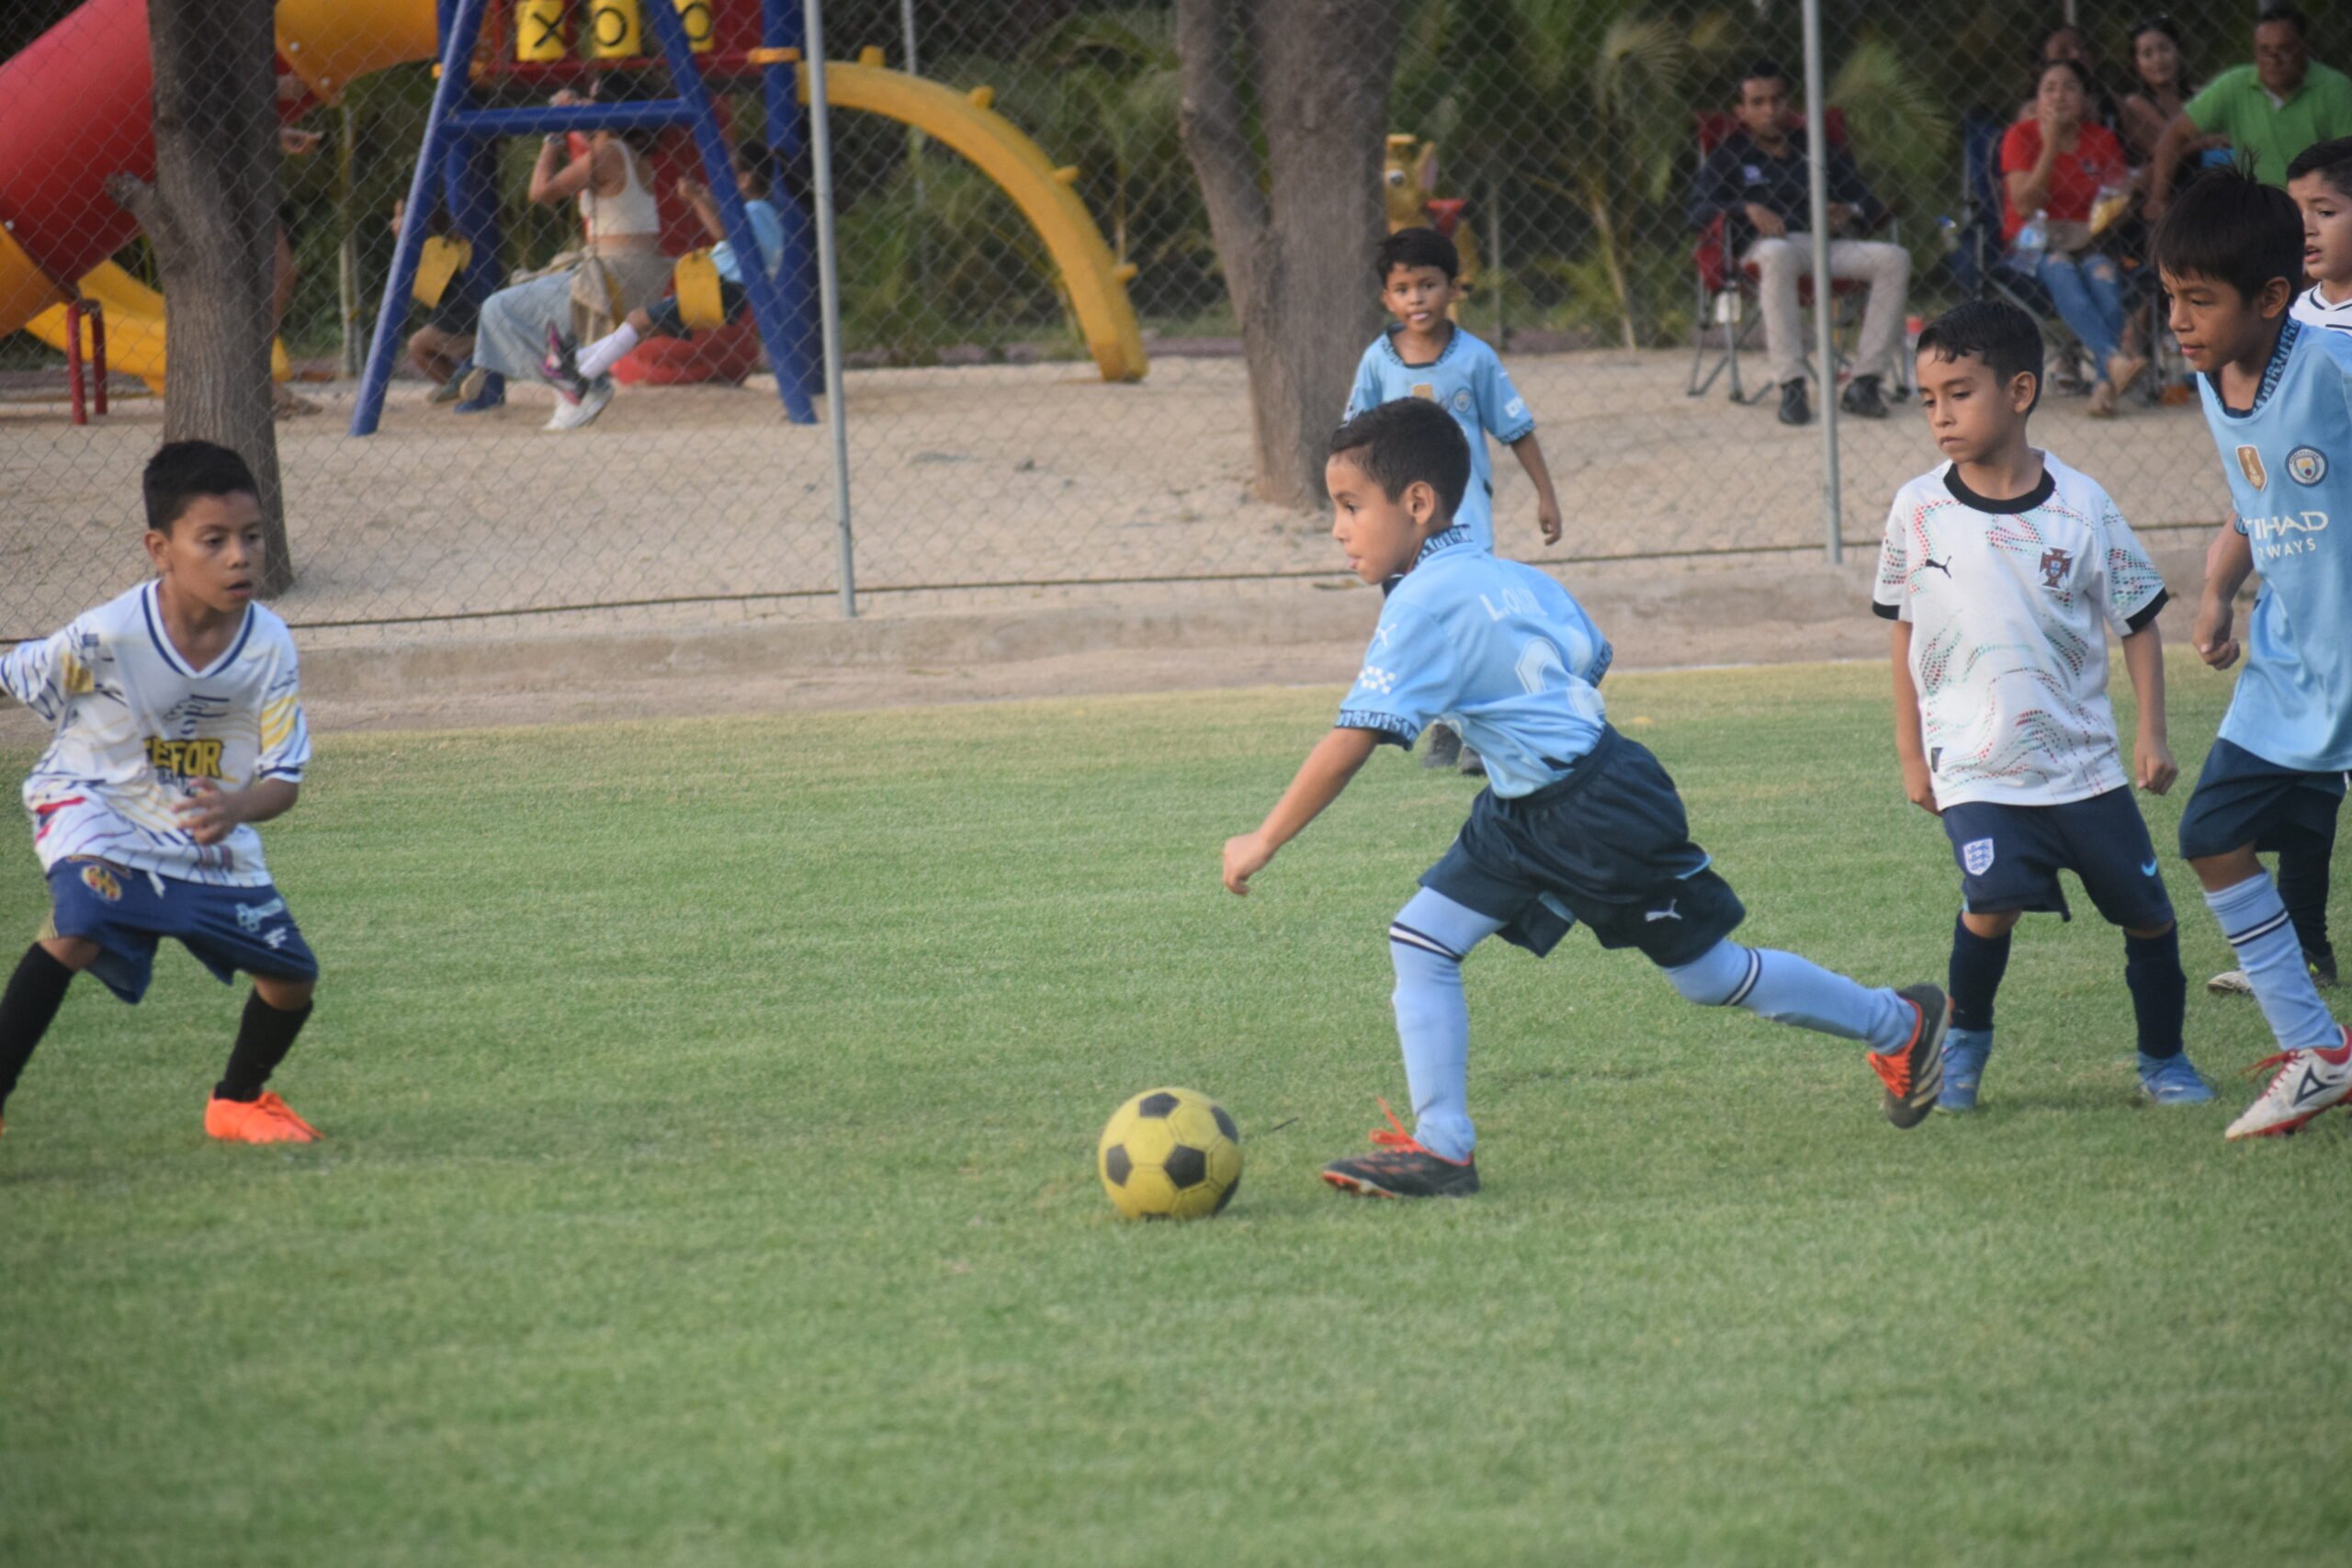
2055 164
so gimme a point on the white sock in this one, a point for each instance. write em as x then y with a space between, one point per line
607 352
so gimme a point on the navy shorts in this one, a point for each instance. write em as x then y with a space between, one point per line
2240 799
124 912
1608 845
2010 857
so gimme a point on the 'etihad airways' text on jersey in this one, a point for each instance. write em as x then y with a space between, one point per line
2288 463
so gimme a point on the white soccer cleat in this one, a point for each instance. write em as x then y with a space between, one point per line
2307 1083
2231 983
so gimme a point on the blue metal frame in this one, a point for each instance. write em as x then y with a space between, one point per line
459 142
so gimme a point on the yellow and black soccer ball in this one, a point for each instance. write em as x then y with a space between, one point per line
1169 1153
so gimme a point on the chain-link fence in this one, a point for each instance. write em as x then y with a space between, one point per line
1043 371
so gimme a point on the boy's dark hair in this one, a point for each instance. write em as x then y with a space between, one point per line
759 162
2229 227
182 472
1410 441
1766 70
1417 247
1996 331
2331 161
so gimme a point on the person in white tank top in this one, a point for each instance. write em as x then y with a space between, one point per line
622 231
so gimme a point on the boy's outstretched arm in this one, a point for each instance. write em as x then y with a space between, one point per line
2229 561
1910 742
1547 506
1320 779
2143 656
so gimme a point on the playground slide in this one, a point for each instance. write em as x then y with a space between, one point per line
74 109
134 317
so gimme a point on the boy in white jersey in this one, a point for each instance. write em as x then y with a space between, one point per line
1576 823
2278 397
1426 356
2003 570
177 724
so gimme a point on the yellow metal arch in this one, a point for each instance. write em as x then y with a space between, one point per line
963 121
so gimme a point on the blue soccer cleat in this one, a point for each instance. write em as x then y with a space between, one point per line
1964 1054
2173 1080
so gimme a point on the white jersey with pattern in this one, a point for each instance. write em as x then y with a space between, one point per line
2312 309
2009 603
133 725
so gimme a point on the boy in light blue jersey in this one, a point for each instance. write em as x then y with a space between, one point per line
1426 356
1576 823
2278 397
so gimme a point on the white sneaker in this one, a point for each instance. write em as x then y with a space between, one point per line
2307 1083
575 416
2231 983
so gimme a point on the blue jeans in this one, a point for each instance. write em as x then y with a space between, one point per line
2089 293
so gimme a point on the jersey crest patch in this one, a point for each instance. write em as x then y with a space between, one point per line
2307 465
2053 568
2250 465
1425 390
102 881
1976 856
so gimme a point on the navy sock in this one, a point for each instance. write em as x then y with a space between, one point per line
264 1037
2303 869
2159 990
1977 964
34 994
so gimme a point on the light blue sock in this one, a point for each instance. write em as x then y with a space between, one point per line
1789 989
2257 926
1426 943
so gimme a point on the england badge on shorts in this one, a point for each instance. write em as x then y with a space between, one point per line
1976 856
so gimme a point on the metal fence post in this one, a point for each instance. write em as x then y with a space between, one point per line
1825 338
829 290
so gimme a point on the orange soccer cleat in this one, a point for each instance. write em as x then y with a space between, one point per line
268 1120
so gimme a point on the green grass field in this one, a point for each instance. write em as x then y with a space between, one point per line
711 1108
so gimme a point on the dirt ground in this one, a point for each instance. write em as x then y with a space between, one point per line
986 474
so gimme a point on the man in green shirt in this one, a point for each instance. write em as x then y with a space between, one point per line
2270 110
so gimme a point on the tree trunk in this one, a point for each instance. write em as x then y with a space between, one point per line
212 216
1296 237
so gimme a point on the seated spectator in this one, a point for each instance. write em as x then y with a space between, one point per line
1758 180
2161 88
620 266
2268 111
2056 165
582 377
2068 41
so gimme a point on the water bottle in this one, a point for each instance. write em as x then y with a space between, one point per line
2026 250
1946 234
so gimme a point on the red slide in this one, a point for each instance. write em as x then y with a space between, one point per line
74 109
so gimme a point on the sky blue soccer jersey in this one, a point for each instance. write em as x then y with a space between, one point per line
1495 648
2289 461
1469 382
